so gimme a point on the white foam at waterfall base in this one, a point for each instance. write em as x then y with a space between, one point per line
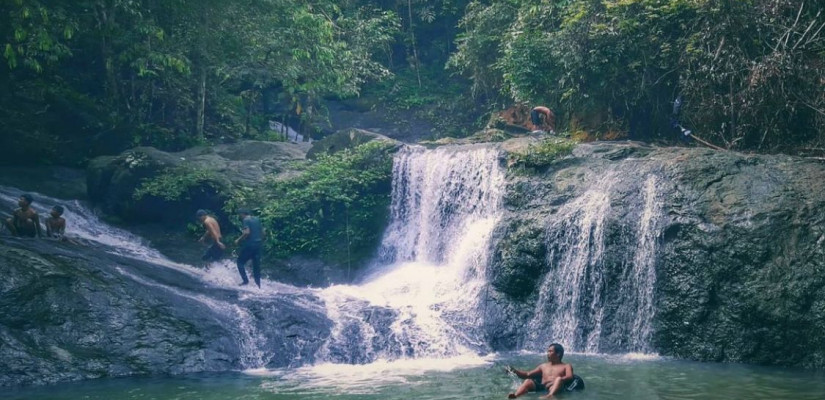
445 206
363 378
428 297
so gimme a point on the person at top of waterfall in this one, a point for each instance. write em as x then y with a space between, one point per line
55 223
543 119
684 133
213 232
252 237
550 377
24 221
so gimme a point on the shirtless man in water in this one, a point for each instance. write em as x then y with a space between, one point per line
549 376
24 221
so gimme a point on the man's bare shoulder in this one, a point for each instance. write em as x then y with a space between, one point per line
553 367
28 213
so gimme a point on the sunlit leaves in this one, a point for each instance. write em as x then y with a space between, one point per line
339 201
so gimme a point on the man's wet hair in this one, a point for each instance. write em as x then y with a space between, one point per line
29 199
201 213
558 349
59 209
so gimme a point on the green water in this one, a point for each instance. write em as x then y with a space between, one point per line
606 377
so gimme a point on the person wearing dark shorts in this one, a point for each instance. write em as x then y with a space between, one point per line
24 221
252 239
213 232
553 376
577 383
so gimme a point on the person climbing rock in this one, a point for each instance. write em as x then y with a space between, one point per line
213 232
252 238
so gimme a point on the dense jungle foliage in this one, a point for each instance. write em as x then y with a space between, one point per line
336 208
751 73
92 77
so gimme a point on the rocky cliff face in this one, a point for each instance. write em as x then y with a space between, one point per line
619 247
73 311
729 250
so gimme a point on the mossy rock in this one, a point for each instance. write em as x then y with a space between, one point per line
346 139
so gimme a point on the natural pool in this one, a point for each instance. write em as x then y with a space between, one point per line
606 377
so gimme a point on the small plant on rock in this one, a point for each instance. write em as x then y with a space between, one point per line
542 154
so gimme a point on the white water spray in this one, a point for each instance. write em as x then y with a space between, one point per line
641 277
575 299
444 208
570 302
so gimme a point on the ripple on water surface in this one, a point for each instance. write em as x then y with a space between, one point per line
606 377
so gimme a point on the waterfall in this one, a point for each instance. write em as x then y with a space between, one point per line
436 196
581 293
432 262
642 276
424 296
569 308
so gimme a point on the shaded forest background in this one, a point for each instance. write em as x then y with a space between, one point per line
91 77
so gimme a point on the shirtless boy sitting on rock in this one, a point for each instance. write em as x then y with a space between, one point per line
550 377
24 221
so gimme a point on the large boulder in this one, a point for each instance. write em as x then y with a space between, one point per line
200 177
346 139
737 243
71 312
55 181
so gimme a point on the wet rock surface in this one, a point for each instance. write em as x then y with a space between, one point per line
740 250
73 311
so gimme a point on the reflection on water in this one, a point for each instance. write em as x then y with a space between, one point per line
606 377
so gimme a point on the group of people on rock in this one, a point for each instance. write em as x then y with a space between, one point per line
250 242
25 221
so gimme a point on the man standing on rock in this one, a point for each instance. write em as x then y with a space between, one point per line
213 231
24 221
252 238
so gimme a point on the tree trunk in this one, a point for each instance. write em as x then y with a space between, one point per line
416 63
106 20
201 103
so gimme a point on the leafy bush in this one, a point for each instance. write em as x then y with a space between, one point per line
177 183
542 154
750 72
336 209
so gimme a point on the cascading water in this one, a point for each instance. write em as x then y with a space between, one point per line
433 258
580 293
642 275
423 300
569 308
86 229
